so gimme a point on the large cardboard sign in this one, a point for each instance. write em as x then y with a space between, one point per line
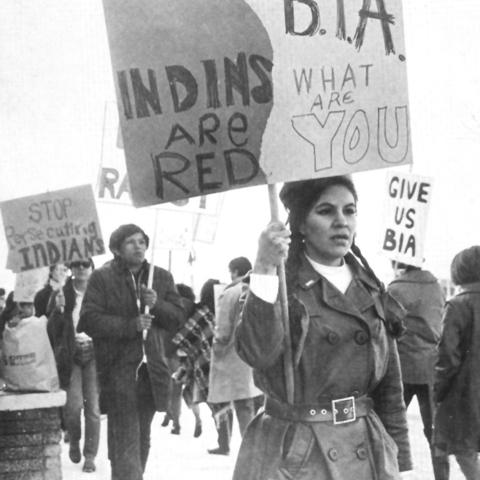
407 202
113 186
50 228
214 95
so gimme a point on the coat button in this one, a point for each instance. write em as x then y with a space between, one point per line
332 338
333 454
361 338
312 412
362 453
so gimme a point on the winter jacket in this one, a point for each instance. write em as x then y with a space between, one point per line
108 314
41 301
457 379
61 332
423 298
230 377
341 348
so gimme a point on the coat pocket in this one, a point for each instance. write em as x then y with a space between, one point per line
297 445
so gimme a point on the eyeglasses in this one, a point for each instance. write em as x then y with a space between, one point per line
84 264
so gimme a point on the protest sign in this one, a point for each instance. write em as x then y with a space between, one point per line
173 231
113 186
407 201
50 228
214 96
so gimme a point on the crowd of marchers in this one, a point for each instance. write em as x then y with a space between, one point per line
318 364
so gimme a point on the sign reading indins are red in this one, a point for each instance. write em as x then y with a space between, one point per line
50 228
215 95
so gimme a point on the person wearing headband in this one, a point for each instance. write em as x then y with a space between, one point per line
348 417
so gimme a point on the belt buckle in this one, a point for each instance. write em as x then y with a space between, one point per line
343 410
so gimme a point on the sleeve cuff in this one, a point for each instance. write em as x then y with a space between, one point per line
264 287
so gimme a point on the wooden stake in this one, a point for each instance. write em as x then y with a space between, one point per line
152 266
288 358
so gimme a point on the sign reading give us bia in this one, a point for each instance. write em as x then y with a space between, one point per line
214 96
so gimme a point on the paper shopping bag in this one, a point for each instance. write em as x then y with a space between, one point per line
28 361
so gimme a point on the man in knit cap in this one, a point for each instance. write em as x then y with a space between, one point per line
113 315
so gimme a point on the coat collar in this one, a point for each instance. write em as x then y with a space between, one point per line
356 299
470 288
308 276
415 276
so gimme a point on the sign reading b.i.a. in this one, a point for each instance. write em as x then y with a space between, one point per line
214 96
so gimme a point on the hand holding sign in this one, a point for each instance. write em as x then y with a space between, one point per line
272 248
60 301
149 296
144 322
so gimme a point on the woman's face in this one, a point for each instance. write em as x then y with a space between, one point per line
330 226
59 273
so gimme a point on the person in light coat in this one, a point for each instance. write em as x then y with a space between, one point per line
347 418
231 379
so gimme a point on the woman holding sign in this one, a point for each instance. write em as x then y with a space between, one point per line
348 419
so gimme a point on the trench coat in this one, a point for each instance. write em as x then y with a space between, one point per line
342 347
457 375
108 314
230 377
423 298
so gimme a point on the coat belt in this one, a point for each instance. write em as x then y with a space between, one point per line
343 410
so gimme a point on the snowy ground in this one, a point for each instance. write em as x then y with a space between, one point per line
180 457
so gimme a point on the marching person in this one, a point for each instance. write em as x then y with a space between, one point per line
76 365
112 315
457 379
231 379
348 420
423 298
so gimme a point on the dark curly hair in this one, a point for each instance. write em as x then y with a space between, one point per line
299 198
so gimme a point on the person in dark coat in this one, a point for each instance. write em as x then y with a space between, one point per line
457 379
423 298
130 390
76 367
348 417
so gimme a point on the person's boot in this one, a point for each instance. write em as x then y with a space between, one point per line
166 420
89 464
223 439
74 452
198 430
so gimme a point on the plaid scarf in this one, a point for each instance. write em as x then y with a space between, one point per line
195 339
